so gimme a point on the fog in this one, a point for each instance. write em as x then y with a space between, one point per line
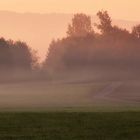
78 89
86 69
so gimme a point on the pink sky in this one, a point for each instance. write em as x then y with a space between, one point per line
29 27
121 9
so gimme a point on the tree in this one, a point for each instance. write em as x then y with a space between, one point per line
115 47
80 26
23 57
105 25
5 55
136 31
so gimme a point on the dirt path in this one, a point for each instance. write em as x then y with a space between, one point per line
105 95
108 90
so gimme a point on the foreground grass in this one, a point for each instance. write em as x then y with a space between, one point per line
70 126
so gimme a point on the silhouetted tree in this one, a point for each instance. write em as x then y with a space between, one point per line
5 55
54 58
114 47
80 26
16 56
136 31
105 25
23 57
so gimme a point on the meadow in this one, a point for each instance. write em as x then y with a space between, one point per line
70 126
80 109
69 95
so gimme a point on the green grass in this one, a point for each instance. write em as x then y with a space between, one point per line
70 126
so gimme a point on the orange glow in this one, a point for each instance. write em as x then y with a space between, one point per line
21 26
122 9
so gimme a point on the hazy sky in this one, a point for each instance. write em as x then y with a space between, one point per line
121 9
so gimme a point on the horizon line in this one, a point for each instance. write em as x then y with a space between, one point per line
59 13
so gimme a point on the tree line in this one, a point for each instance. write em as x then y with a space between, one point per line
83 47
16 56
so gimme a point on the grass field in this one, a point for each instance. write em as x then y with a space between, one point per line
70 126
79 110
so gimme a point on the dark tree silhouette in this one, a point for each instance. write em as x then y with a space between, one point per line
136 31
80 26
105 25
23 56
16 56
113 47
5 55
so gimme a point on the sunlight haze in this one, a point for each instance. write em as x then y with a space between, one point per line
36 21
122 9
